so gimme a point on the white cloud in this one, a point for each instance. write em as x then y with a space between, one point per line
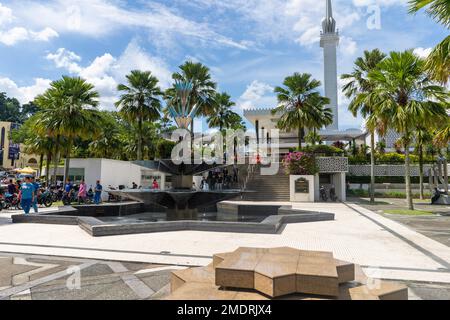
6 15
24 94
423 52
101 17
348 46
65 59
11 35
257 95
106 71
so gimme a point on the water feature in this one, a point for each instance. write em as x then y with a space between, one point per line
180 202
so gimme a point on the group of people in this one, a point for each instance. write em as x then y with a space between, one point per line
220 179
82 191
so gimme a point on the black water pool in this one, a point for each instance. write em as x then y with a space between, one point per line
162 217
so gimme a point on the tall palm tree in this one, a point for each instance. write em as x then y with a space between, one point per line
422 136
203 87
223 115
301 106
438 63
437 9
140 102
69 111
358 83
407 97
107 144
442 138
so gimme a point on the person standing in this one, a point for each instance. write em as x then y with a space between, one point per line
82 192
27 195
98 193
36 194
155 185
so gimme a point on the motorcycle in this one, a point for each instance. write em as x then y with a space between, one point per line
45 199
69 198
323 194
12 201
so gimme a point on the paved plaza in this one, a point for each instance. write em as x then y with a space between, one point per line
385 249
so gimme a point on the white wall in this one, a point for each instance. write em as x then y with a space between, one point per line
112 173
116 173
302 197
92 169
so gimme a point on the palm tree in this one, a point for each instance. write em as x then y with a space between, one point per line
442 138
203 88
68 111
357 84
140 102
107 144
437 9
301 106
405 95
223 115
438 63
422 136
34 142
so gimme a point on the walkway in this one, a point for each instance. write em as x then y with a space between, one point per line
385 248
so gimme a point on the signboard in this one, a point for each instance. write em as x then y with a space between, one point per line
14 148
302 186
14 151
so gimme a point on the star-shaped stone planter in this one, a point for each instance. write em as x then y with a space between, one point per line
261 274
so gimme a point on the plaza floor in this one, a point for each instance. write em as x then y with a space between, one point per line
385 248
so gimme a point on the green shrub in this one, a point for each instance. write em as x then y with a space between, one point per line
388 194
322 149
379 179
395 158
358 159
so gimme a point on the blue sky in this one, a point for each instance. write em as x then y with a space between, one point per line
250 45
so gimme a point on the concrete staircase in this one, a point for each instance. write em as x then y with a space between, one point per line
268 188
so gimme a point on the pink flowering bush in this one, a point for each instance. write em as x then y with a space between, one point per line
300 163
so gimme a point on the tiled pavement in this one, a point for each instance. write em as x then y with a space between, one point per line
385 248
49 278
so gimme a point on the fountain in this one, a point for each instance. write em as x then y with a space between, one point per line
180 202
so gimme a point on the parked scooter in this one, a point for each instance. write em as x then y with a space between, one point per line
323 194
45 198
11 201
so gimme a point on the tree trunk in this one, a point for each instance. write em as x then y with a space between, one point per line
47 168
56 161
41 164
67 164
409 197
300 137
140 139
422 191
372 167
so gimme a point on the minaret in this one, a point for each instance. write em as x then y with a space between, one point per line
329 40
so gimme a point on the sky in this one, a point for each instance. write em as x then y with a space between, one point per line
249 45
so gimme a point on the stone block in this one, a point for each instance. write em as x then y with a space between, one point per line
317 275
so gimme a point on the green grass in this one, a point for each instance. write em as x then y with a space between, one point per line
386 195
58 204
376 203
404 212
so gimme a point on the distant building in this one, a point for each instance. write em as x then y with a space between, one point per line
11 154
264 121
